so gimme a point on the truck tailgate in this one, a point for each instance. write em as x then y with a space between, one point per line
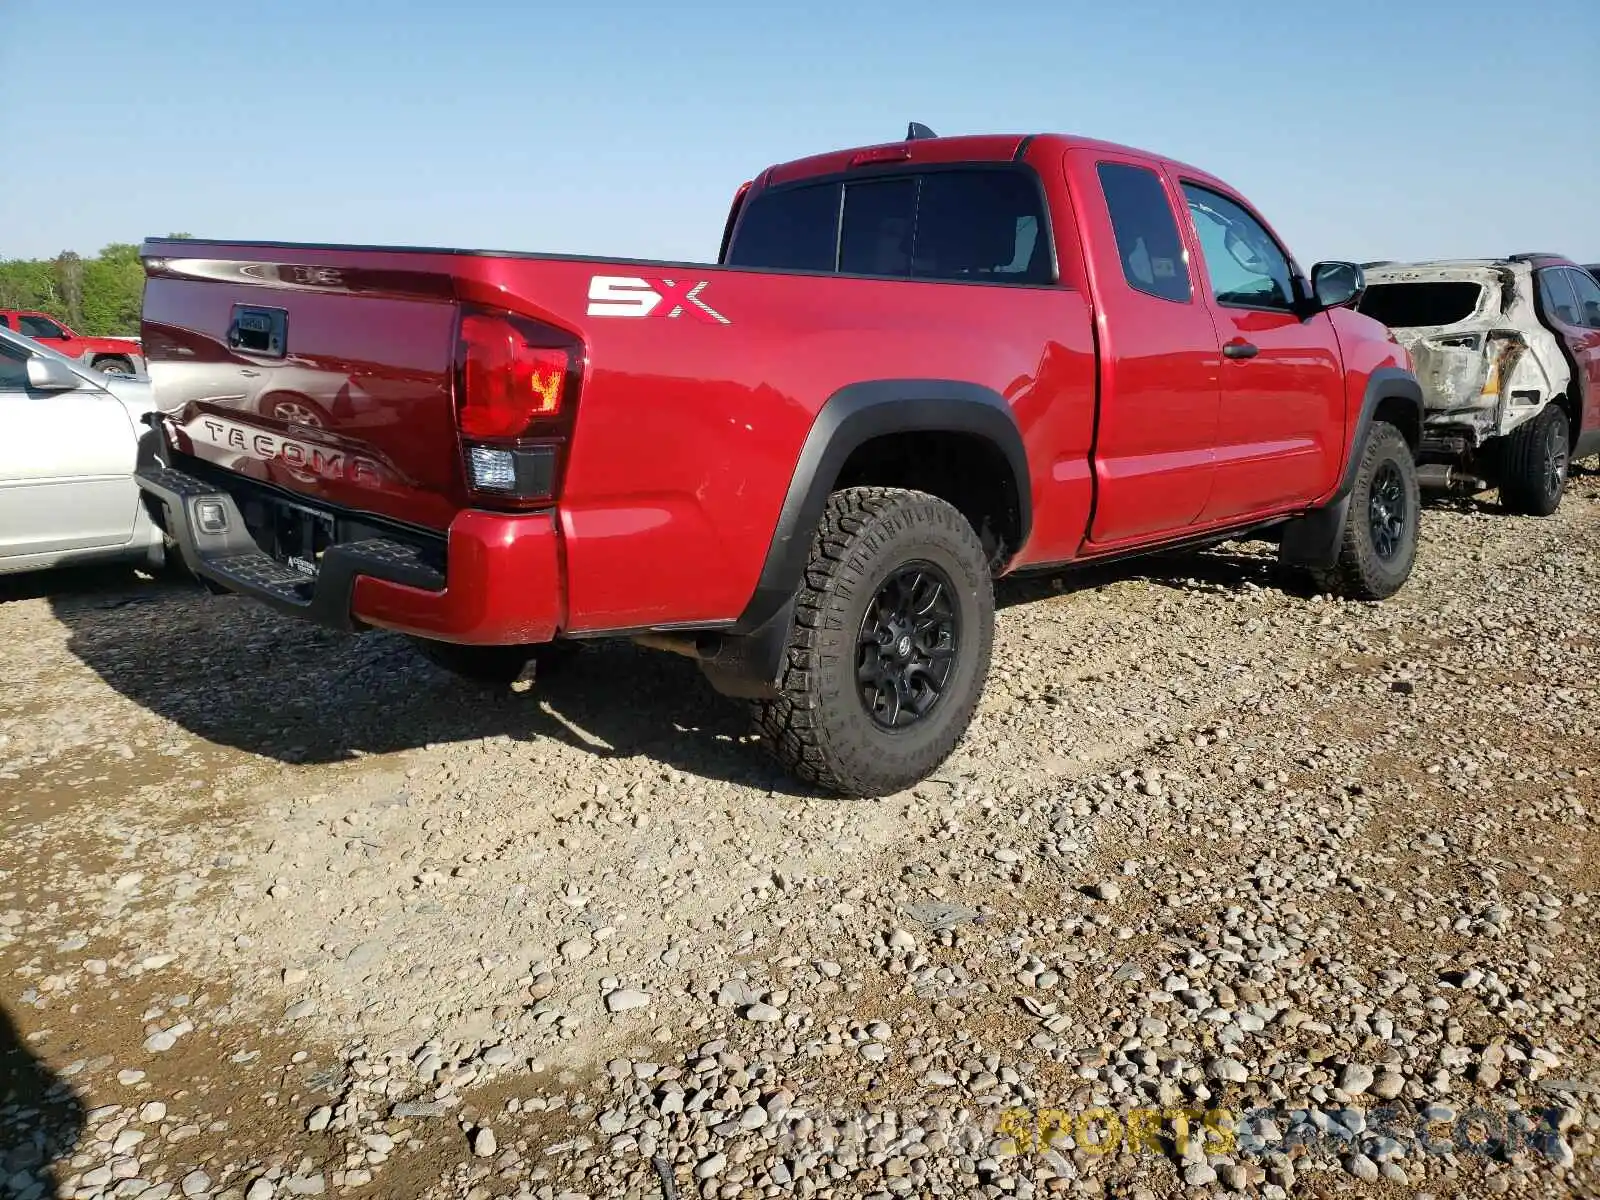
331 379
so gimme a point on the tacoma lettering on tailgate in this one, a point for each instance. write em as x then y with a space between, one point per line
302 458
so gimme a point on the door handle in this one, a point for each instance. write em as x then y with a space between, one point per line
1240 349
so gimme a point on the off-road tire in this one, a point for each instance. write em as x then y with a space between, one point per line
494 666
113 365
1362 571
820 727
1533 464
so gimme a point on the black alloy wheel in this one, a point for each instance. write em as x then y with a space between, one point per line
1386 511
907 646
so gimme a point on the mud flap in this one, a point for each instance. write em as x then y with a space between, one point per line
749 666
1312 541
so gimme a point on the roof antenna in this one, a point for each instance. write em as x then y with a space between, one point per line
917 131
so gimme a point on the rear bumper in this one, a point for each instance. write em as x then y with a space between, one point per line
501 584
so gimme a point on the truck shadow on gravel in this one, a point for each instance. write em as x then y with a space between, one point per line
235 674
41 1119
238 675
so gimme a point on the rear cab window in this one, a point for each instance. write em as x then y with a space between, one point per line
1421 304
967 224
791 229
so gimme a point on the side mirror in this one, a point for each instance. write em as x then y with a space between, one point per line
1334 284
48 375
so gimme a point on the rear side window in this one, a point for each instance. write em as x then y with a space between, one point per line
1587 292
1420 305
1148 245
794 229
1556 298
957 225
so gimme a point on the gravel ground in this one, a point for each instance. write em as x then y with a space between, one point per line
1231 889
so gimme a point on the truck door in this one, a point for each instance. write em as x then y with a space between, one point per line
1158 352
1281 434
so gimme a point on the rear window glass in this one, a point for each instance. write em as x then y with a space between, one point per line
879 219
951 225
981 225
795 229
1417 305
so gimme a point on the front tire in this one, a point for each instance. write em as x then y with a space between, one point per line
114 365
1533 464
1379 544
890 646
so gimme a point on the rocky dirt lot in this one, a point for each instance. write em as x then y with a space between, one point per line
1231 889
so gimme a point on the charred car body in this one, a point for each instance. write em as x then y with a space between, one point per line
1508 354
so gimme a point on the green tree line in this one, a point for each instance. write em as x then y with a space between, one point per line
98 296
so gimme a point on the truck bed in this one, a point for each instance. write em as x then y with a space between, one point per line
697 387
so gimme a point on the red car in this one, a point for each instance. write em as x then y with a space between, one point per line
114 356
915 367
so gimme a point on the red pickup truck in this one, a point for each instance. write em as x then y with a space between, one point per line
114 356
915 367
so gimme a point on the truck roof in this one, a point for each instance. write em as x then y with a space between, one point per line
983 147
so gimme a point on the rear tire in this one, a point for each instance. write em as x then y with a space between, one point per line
1534 462
1379 543
890 646
494 666
114 365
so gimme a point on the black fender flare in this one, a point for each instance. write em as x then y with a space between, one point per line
1313 540
853 416
744 660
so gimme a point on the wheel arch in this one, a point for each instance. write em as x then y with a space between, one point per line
870 433
1392 396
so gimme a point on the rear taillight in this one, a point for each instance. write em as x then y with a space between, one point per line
517 388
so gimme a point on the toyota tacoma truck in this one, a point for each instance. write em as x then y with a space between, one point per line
109 355
914 367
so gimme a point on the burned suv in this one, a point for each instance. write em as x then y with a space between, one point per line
1508 354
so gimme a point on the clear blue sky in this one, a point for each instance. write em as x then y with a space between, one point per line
1393 129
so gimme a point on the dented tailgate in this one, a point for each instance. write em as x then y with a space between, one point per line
329 377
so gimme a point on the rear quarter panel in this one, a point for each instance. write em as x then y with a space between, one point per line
689 429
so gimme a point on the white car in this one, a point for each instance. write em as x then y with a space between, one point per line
68 446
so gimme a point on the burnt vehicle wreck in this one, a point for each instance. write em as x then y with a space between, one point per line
1508 354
